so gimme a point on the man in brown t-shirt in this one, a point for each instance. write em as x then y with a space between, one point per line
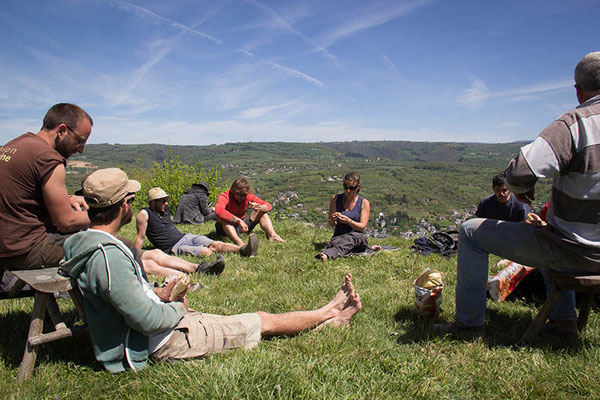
36 212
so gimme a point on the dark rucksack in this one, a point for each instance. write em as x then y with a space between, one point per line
444 243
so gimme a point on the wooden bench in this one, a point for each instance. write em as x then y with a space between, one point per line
45 283
588 284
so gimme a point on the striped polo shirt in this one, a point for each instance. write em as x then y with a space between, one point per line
568 151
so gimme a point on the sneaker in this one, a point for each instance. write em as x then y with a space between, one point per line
562 329
456 328
251 248
213 268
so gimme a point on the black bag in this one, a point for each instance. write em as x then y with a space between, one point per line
444 243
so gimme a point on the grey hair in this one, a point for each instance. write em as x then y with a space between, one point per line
587 72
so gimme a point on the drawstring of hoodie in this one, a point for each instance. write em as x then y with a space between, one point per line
106 263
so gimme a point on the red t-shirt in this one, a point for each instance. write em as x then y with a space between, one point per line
26 163
227 206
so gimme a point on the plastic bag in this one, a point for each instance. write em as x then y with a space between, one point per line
428 293
505 281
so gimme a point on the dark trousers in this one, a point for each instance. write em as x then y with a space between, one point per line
345 244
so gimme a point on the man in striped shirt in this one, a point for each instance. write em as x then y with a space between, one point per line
568 151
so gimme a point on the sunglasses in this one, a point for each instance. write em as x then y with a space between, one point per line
346 187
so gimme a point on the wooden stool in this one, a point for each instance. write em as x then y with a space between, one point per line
588 284
45 282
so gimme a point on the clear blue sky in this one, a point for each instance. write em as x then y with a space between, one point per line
201 72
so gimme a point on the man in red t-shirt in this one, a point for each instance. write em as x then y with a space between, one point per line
231 208
35 210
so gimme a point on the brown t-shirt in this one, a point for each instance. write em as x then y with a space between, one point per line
26 163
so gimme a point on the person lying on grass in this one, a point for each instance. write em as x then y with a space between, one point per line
349 214
231 210
130 322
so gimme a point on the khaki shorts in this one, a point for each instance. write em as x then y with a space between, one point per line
198 334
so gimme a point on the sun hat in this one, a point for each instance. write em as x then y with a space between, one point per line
156 193
105 187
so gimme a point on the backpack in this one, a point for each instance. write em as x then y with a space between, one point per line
444 243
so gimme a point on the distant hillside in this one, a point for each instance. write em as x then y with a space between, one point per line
412 183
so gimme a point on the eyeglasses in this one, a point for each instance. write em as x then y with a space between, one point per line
80 139
346 187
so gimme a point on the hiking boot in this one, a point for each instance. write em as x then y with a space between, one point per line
251 248
213 268
562 329
456 328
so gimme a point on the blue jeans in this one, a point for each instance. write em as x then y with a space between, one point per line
516 241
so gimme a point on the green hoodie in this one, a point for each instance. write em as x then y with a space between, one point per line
120 315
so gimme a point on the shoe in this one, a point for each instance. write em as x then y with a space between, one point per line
562 329
195 286
251 248
213 268
456 328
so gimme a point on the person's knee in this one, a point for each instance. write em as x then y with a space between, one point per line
468 227
216 246
154 254
266 322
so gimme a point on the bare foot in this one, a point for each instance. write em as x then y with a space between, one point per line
276 238
341 297
343 318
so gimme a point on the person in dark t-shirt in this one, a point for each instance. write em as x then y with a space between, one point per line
35 209
502 205
156 223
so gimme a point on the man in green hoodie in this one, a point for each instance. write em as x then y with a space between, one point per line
129 321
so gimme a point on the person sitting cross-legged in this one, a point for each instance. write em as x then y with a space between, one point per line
129 321
349 214
231 208
155 222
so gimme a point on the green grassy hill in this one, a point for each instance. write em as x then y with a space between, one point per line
414 184
389 352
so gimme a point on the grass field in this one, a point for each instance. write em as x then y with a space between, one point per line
389 352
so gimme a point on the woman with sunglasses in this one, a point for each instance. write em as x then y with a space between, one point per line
349 214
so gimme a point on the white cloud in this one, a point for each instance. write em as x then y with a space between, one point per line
372 15
475 95
143 12
290 28
297 74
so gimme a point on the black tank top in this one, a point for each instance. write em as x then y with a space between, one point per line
161 231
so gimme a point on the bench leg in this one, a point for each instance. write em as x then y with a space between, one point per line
542 316
35 329
584 311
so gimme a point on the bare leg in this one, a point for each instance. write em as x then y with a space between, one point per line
267 226
231 232
223 247
294 322
157 260
153 268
